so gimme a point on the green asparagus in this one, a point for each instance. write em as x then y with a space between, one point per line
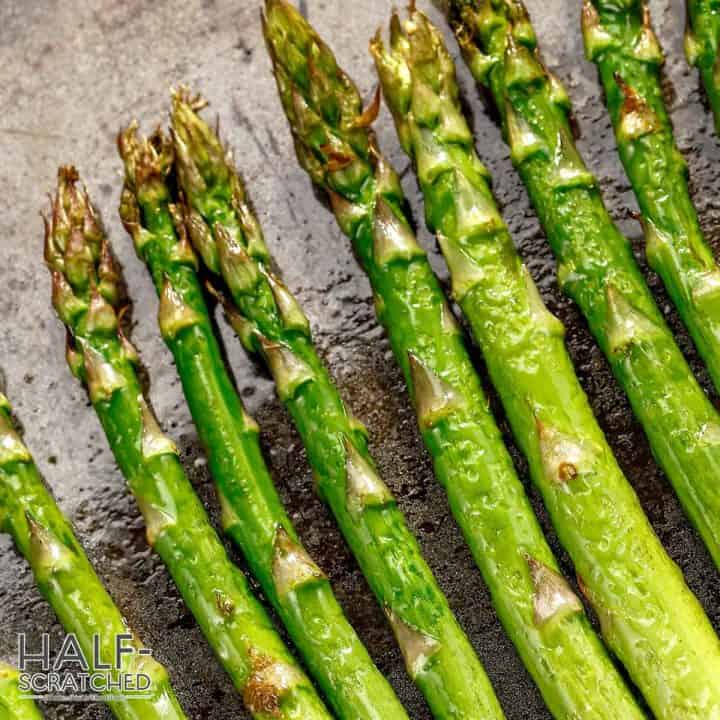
13 706
562 651
252 513
618 37
635 587
438 655
702 38
67 580
596 265
87 292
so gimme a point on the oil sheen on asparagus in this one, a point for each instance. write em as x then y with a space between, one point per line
537 607
13 706
619 39
649 617
702 41
596 265
252 513
87 293
67 580
437 653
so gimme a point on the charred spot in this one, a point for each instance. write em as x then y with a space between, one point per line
567 471
632 102
224 604
262 694
336 161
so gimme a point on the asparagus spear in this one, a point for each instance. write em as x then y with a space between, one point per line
437 653
619 39
252 513
67 580
87 291
12 704
596 265
635 587
702 38
559 647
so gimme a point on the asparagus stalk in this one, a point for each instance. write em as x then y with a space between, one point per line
635 587
13 706
87 291
702 38
252 513
437 653
619 39
596 265
67 580
561 650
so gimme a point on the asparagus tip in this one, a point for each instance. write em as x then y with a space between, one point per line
146 159
200 156
86 279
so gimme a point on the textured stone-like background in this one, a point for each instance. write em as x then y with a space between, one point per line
70 74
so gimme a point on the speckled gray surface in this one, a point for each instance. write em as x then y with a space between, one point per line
71 74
